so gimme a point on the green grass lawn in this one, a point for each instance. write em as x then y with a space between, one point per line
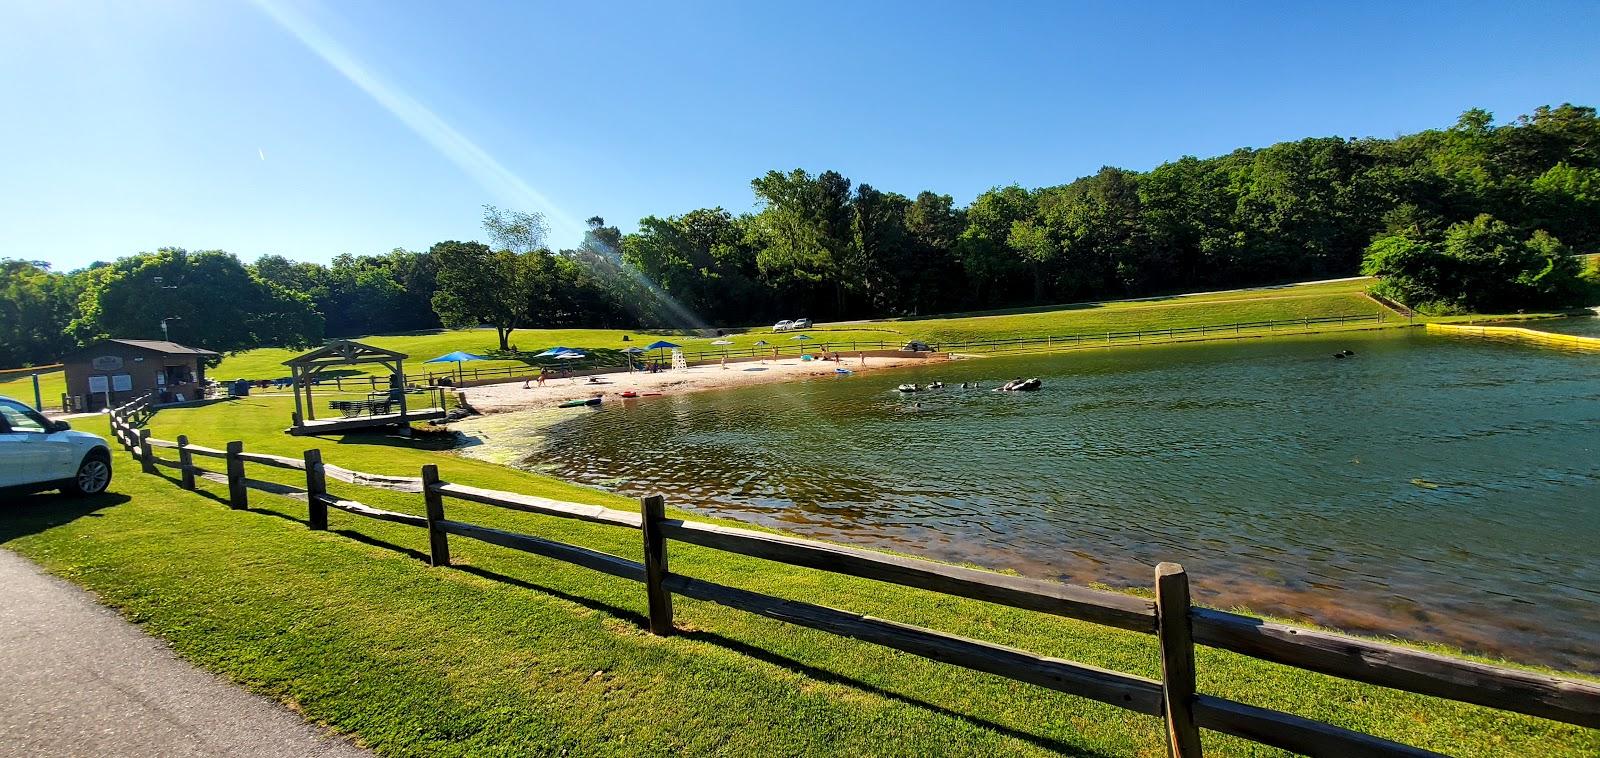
1216 309
19 386
506 653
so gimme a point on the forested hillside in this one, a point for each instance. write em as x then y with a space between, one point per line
1443 211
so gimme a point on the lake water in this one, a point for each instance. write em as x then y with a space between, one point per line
1585 326
1434 488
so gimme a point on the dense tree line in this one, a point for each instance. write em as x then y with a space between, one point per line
1475 216
819 247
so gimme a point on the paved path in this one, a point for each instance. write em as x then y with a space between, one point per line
78 680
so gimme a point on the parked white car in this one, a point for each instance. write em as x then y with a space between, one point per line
783 326
39 454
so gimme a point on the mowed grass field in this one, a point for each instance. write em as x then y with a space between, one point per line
1288 302
19 386
509 654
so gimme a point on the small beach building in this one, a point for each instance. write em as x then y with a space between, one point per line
112 372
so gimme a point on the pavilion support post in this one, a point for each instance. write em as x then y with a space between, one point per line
311 406
294 381
400 371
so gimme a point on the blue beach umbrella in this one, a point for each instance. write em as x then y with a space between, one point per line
660 345
555 352
456 357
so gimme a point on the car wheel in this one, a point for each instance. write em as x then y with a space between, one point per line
93 477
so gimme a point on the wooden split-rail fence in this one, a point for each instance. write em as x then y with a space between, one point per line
1177 625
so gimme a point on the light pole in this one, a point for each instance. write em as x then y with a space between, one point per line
164 321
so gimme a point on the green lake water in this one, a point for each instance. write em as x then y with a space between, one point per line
1584 326
1430 487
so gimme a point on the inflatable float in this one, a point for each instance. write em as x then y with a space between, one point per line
1021 385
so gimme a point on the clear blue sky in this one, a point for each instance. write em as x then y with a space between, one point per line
317 128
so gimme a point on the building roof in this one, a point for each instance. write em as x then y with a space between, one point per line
159 346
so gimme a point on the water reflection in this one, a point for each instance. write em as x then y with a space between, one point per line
1426 487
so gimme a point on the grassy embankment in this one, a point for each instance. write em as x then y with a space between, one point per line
1279 303
511 654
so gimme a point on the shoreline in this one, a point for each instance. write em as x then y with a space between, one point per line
507 397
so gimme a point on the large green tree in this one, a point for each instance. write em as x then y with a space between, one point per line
478 286
36 307
1483 265
208 299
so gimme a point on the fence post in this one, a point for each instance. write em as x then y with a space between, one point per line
185 463
653 507
1174 629
438 539
316 487
147 460
238 496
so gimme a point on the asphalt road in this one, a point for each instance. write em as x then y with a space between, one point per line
78 680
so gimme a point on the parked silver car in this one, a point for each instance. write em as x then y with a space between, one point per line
39 454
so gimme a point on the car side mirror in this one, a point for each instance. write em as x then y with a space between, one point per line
59 426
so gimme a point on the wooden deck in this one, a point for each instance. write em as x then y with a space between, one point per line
341 424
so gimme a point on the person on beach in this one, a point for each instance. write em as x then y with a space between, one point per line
724 363
544 373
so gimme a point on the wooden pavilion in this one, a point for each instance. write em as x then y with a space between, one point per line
387 407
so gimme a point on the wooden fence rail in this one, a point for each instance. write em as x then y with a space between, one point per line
1177 626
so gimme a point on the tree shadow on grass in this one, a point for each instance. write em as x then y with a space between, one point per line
22 515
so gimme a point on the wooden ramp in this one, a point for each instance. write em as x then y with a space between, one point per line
336 425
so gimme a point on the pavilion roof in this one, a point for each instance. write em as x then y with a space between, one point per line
338 352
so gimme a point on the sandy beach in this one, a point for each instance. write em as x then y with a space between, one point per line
512 396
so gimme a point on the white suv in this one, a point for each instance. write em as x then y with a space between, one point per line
39 454
783 326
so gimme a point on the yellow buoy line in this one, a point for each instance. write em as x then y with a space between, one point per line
1554 339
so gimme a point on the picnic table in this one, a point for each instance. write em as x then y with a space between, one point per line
368 407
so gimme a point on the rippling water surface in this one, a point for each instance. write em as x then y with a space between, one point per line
1435 488
1586 326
